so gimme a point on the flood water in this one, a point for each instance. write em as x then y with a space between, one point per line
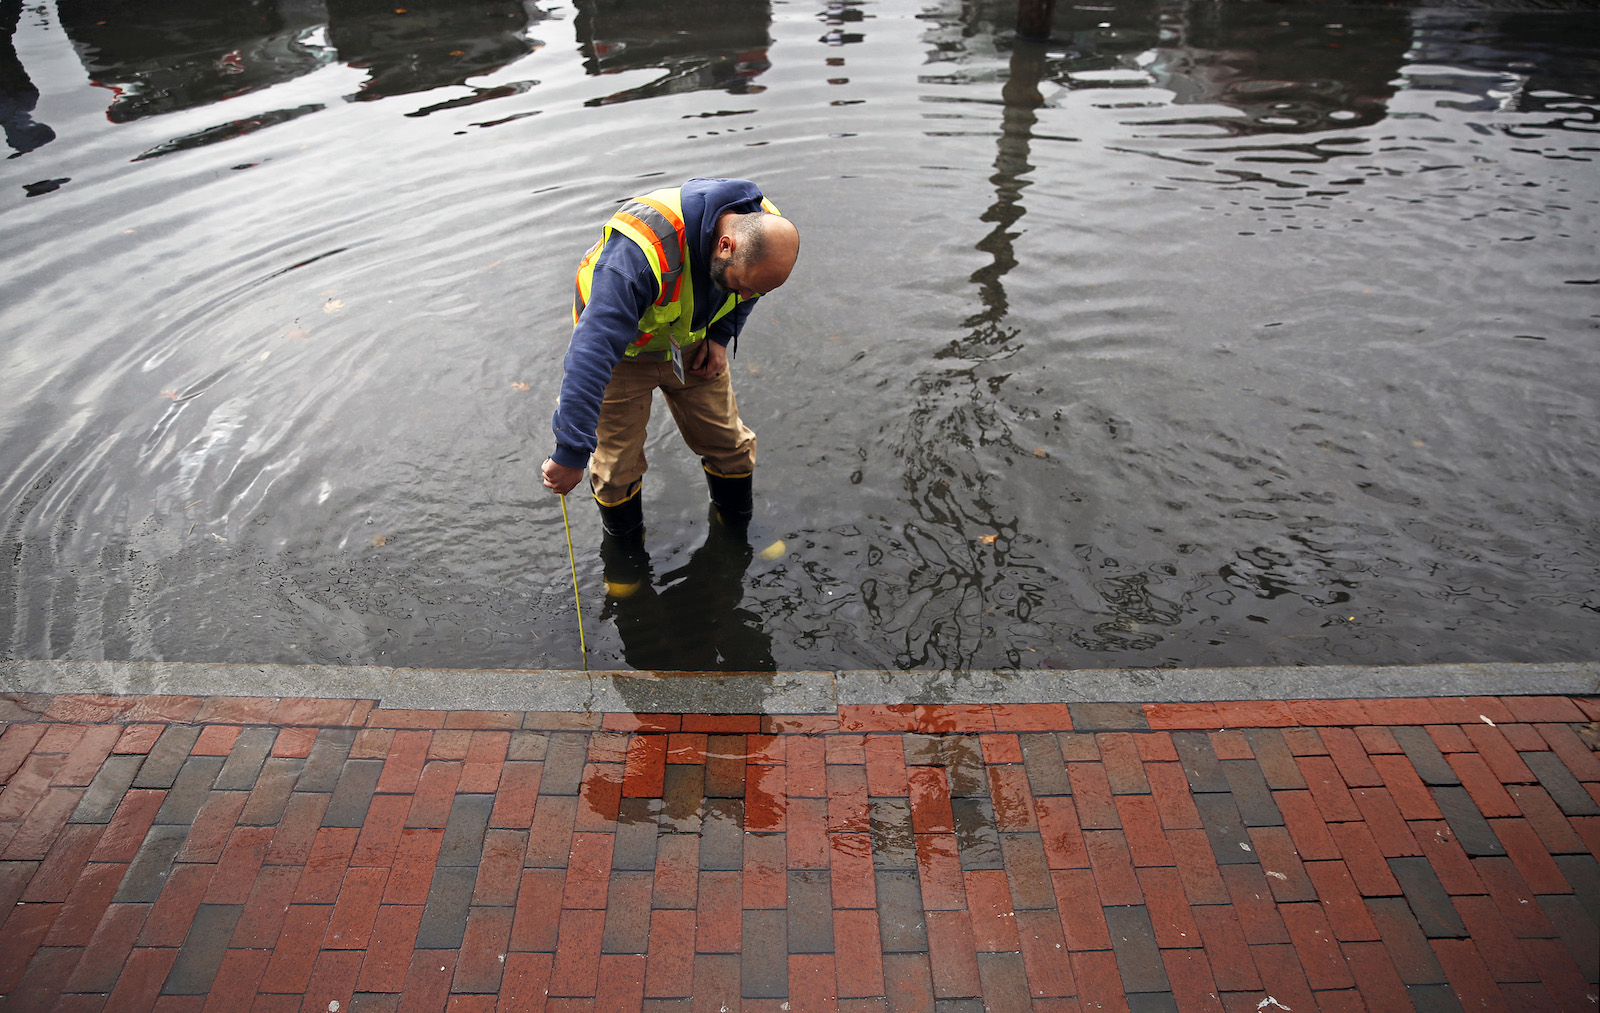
1201 334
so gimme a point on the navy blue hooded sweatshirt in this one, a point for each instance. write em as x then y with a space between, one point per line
622 291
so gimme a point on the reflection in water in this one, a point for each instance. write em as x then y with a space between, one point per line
18 96
718 45
407 49
694 621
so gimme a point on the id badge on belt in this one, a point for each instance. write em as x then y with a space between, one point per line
677 358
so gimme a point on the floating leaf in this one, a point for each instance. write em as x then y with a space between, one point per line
333 306
297 334
171 394
988 539
519 385
379 541
1040 452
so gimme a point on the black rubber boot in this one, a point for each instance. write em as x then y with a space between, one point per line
733 497
624 521
626 564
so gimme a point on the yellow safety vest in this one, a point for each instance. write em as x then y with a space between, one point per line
654 222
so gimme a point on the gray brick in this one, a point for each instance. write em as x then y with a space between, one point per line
1152 1002
1434 999
147 873
902 924
1424 755
726 758
922 750
1409 950
1200 764
1275 759
189 790
1047 771
627 926
161 766
1230 842
1108 717
964 765
352 795
326 762
565 755
764 956
893 845
1133 938
957 1006
444 920
1248 785
203 949
271 791
1577 930
527 745
105 792
682 793
464 831
810 910
1582 872
722 835
977 834
249 752
1472 831
637 828
1429 901
1566 791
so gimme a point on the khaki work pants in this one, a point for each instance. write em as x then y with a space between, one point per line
705 411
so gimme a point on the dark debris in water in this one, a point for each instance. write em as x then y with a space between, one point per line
45 186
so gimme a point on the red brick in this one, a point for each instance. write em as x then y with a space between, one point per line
414 858
1450 739
332 980
484 945
1544 708
1406 788
141 979
1530 856
1091 793
768 749
670 968
427 986
325 869
1547 820
686 747
1182 715
1281 971
238 976
1099 980
295 954
1170 788
1501 952
994 921
486 754
295 743
1059 830
350 927
435 794
262 918
237 710
1471 980
500 869
1384 819
577 961
939 870
765 798
1252 901
588 871
216 740
1141 826
1377 739
1445 855
1044 954
42 824
953 718
1341 901
134 740
1169 909
1554 965
1281 865
805 759
408 751
930 801
1482 785
1225 945
239 865
1035 717
999 748
380 833
1255 714
1328 789
107 948
1375 976
1012 798
1306 825
850 858
723 724
1518 906
1197 866
1078 902
1524 738
1497 752
952 955
807 834
677 877
1579 758
1230 744
877 717
181 896
856 936
599 797
1364 859
662 723
550 833
1348 755
1113 867
1332 712
500 721
538 910
63 865
886 766
1155 747
719 923
1189 974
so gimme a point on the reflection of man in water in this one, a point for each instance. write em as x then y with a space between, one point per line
659 298
18 96
694 622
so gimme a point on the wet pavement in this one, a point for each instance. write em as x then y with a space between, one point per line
172 850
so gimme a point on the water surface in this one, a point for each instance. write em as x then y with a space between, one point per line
1221 334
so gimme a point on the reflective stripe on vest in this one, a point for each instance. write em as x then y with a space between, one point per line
654 223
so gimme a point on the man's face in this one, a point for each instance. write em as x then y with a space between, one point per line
730 275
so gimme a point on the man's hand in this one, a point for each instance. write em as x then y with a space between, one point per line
711 360
559 478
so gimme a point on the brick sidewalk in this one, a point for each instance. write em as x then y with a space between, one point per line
179 853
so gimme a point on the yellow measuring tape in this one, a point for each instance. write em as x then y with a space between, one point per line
575 600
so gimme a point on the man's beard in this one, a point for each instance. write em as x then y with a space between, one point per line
718 269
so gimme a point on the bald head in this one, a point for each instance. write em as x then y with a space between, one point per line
754 253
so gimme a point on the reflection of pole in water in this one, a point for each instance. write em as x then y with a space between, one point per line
1033 19
1022 100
